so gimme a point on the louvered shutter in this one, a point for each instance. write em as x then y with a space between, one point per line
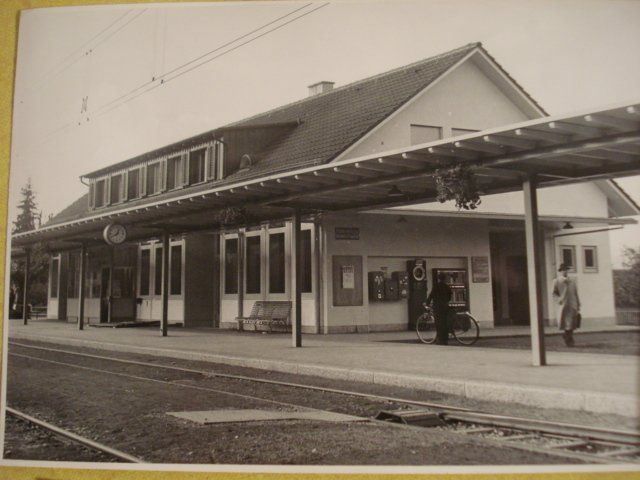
185 168
92 194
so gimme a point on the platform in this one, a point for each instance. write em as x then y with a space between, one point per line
592 382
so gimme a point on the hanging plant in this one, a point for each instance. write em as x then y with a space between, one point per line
457 183
231 216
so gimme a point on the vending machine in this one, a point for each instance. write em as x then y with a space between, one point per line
417 271
456 278
376 286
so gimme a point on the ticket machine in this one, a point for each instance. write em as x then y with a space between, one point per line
417 272
376 286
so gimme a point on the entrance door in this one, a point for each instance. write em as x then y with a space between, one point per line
105 281
518 289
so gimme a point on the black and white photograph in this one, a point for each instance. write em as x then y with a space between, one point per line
325 236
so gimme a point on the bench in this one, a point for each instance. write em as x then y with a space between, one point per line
267 316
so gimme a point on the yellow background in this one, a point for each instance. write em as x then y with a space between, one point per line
9 19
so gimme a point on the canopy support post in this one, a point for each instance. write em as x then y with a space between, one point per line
296 257
164 323
25 286
81 286
534 269
240 269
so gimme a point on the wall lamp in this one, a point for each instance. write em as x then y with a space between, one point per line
395 192
567 226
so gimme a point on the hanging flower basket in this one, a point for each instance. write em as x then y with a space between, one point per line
457 183
231 216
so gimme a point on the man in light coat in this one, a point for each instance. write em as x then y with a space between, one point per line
565 292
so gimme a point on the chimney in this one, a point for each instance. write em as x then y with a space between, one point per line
320 87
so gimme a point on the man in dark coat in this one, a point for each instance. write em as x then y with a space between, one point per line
441 296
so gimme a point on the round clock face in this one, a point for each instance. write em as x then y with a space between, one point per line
115 234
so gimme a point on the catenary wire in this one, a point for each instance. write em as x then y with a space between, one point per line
55 73
153 87
161 76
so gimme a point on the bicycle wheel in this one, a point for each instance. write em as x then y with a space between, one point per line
426 328
465 328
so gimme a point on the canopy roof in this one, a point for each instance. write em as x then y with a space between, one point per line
559 150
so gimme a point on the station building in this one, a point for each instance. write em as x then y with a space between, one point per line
364 267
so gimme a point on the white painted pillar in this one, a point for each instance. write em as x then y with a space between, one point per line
81 286
164 323
296 254
534 270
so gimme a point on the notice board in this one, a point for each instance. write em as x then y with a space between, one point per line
480 269
347 280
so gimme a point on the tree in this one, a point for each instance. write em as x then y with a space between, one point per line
28 218
627 282
28 213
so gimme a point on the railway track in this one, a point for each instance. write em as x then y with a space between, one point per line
589 444
61 432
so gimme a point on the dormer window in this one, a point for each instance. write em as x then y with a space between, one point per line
197 166
175 172
133 184
117 189
154 178
99 193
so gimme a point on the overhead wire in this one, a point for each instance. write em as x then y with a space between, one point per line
81 48
160 77
165 81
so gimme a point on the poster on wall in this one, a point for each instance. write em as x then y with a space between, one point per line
348 277
480 269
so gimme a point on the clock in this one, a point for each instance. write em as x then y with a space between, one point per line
114 234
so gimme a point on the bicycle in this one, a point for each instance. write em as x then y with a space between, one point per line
462 326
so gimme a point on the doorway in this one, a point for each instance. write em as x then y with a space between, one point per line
509 278
105 294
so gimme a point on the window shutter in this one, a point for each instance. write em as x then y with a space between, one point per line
107 191
210 162
143 180
92 193
163 175
220 158
125 186
185 168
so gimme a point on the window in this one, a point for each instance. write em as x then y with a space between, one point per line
96 284
253 264
196 166
154 178
590 258
424 134
55 273
305 264
145 269
568 256
174 172
231 265
276 263
133 184
122 286
99 190
117 189
456 132
157 286
74 276
176 270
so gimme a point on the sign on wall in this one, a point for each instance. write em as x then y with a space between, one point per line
480 269
347 233
347 280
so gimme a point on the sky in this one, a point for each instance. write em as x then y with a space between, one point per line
73 62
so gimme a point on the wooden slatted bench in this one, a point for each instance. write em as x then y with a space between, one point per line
267 316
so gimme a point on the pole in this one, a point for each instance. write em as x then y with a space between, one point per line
25 286
83 273
110 298
534 270
240 269
296 256
164 323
